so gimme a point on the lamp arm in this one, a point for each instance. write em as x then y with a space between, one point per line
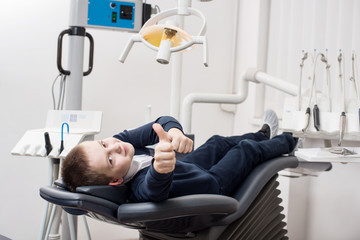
205 52
130 43
203 40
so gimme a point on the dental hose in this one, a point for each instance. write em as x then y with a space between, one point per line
316 110
328 78
308 109
343 114
355 78
300 80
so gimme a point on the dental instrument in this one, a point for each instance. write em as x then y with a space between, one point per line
341 151
307 111
342 85
324 59
316 110
48 145
313 94
307 119
354 80
342 127
305 56
62 136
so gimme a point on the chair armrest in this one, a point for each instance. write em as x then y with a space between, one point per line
191 205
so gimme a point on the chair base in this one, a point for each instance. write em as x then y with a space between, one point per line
262 220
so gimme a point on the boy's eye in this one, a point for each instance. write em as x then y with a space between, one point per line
103 144
110 160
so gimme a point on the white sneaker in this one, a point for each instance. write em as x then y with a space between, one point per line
270 118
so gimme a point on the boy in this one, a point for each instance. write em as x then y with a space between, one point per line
216 167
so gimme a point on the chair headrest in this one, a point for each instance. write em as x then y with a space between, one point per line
115 194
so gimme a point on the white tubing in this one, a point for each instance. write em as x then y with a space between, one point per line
252 75
209 98
277 83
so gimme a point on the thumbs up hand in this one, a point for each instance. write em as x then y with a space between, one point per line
164 152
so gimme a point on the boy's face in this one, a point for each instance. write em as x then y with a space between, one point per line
109 156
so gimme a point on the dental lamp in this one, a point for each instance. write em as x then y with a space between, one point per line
168 38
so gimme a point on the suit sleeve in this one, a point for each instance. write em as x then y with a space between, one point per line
150 185
144 136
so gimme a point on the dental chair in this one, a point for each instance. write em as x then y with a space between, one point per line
252 212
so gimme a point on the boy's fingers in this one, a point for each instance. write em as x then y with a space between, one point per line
175 143
163 136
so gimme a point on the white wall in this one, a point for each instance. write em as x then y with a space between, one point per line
29 31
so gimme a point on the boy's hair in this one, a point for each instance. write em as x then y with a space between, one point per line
76 171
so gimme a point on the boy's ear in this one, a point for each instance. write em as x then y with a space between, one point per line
116 181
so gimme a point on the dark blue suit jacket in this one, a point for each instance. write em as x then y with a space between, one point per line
149 185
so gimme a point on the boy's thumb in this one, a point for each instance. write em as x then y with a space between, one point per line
163 136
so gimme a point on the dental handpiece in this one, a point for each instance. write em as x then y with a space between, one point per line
316 113
48 145
307 119
342 127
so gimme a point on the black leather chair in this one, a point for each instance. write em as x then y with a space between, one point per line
252 212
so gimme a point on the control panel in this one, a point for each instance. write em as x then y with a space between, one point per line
120 15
